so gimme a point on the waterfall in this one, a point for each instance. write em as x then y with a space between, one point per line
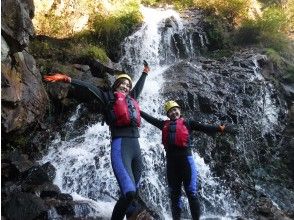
83 161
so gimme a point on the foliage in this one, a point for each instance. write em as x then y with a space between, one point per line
64 50
217 33
106 29
269 3
248 33
93 51
219 54
289 73
229 9
59 22
48 48
153 2
273 20
111 28
221 18
267 30
289 11
51 25
282 64
274 56
183 4
179 4
233 11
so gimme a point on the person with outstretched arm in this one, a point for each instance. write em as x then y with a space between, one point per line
122 114
180 165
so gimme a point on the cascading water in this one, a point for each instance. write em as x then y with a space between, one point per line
269 110
83 161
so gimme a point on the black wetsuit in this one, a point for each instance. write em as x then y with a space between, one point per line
125 149
181 168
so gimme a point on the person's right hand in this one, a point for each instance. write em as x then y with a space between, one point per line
146 67
58 77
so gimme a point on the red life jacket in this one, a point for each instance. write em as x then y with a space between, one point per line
175 133
126 110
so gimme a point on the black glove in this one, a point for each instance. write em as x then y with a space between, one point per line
231 129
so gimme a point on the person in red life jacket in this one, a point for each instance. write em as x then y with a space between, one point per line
122 114
180 165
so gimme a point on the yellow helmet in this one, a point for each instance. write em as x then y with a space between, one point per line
170 104
124 76
121 76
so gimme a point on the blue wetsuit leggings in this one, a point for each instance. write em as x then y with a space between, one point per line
182 170
127 167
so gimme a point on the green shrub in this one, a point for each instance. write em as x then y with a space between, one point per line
95 52
217 33
289 73
277 41
273 20
52 25
232 10
47 48
151 2
282 64
269 3
112 28
274 56
183 4
267 30
289 11
248 33
65 50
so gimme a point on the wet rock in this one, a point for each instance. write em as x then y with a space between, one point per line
49 190
24 206
16 22
96 67
143 215
23 96
230 92
178 46
24 100
13 164
289 91
9 172
50 170
66 207
36 175
206 105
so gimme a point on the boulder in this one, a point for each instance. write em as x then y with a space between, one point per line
24 206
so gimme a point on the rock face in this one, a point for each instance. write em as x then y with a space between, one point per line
232 91
75 15
16 23
28 191
24 99
225 91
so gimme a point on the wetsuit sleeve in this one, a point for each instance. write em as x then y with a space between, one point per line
136 91
154 121
196 126
88 87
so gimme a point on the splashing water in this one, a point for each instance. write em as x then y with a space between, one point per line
83 162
